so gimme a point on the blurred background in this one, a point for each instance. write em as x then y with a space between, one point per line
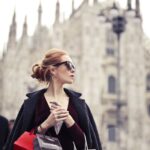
109 42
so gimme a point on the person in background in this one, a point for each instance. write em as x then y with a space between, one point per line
56 110
4 131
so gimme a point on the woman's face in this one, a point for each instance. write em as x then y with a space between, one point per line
65 70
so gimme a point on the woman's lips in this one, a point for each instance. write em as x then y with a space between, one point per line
72 76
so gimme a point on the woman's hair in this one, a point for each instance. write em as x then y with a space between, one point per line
41 70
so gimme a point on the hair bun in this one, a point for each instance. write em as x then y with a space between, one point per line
37 71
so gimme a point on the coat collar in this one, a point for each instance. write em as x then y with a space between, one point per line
69 92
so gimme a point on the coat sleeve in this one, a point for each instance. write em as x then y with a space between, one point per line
94 132
16 131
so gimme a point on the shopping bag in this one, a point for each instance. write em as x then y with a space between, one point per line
25 141
44 142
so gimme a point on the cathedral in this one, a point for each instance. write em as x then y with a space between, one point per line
122 114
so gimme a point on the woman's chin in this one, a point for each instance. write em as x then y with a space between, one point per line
69 81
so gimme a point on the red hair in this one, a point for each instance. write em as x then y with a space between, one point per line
41 70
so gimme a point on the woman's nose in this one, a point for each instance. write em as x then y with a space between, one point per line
73 70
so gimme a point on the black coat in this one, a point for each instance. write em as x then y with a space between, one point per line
25 118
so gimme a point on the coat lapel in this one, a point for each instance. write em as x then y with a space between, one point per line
81 109
29 108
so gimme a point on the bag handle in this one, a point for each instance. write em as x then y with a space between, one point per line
85 145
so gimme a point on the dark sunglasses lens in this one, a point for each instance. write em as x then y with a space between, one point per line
70 66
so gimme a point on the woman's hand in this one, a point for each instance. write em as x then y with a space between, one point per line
69 121
58 114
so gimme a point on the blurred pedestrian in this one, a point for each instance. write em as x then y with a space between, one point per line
4 131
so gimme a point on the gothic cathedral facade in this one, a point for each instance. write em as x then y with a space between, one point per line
89 38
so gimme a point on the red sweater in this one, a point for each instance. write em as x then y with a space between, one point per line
66 135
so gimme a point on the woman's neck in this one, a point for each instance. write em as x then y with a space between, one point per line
55 91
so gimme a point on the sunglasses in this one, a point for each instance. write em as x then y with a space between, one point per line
68 64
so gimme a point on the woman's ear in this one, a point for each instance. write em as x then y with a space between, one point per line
52 70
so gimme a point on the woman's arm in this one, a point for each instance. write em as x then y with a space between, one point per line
75 133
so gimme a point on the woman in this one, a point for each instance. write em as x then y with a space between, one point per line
55 106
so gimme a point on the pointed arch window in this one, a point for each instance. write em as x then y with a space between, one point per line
110 51
111 133
148 83
111 84
148 109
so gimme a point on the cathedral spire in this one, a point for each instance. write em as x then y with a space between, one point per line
137 8
14 18
25 27
129 6
12 32
57 14
39 14
73 6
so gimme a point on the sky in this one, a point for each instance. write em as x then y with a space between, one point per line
29 8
